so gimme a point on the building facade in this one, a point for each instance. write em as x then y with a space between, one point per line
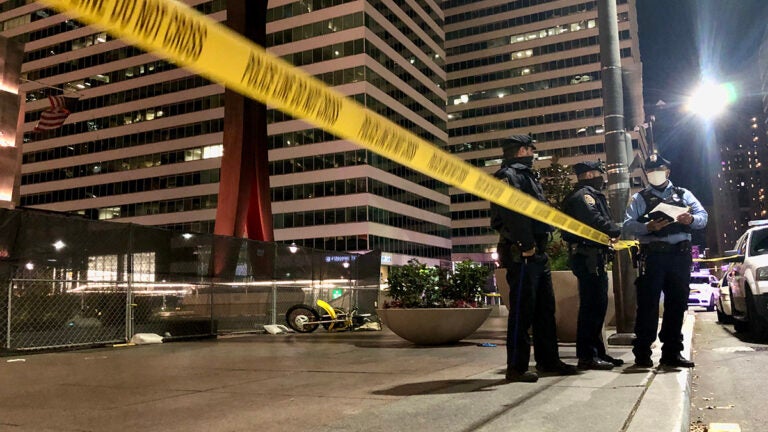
144 141
519 67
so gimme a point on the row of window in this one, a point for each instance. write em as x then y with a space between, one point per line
356 186
507 6
104 79
353 158
300 8
124 141
68 46
360 46
533 103
274 116
39 34
568 45
69 25
394 43
520 89
473 231
203 227
157 207
134 94
124 187
407 31
347 22
125 164
12 4
147 114
473 248
524 19
527 121
372 242
553 65
408 248
96 59
363 73
531 35
470 214
77 64
358 214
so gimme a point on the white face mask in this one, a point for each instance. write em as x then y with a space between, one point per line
657 178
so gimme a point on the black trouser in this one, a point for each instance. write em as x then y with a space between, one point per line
531 304
593 303
669 273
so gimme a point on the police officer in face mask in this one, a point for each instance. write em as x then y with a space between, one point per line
665 261
587 204
521 249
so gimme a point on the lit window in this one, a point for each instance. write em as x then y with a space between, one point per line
213 151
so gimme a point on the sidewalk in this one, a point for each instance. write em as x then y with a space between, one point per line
366 381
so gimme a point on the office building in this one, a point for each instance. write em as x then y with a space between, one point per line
526 66
144 141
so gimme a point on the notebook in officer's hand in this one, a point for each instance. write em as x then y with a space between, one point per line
667 212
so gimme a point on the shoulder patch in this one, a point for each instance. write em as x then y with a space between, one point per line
589 200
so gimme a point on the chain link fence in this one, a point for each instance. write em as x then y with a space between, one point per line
66 281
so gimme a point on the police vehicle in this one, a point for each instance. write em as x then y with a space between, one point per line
723 307
747 277
704 291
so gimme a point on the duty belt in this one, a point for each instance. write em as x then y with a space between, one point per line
681 248
586 248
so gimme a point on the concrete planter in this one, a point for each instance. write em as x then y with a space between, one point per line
566 288
437 326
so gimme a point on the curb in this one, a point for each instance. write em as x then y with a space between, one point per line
666 403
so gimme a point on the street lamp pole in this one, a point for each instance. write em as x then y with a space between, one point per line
616 164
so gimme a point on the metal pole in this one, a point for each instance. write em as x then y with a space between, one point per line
274 303
617 169
8 329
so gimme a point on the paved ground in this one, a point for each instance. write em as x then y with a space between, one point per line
363 381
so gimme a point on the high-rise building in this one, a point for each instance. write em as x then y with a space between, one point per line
143 143
329 193
741 181
525 66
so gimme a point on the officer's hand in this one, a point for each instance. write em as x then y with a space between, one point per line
685 218
613 241
529 253
657 224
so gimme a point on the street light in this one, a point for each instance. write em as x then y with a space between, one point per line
710 99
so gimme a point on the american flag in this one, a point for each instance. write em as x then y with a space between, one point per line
56 115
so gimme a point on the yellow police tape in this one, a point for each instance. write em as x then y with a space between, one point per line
725 258
175 31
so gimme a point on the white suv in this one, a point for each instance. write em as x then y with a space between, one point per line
747 277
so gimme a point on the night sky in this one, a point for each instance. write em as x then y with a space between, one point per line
679 39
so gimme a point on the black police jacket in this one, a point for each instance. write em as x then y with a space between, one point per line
589 206
514 228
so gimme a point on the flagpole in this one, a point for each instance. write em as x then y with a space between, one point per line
63 90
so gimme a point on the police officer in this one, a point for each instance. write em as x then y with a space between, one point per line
522 242
665 261
587 204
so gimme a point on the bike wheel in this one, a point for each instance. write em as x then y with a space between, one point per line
302 318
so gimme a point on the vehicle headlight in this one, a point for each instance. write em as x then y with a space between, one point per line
761 273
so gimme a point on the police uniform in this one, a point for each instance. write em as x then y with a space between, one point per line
587 259
532 300
665 266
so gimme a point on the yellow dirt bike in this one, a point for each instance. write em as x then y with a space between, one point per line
305 319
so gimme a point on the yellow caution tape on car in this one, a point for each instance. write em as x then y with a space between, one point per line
725 258
179 33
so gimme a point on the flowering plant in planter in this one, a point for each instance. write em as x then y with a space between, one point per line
416 285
